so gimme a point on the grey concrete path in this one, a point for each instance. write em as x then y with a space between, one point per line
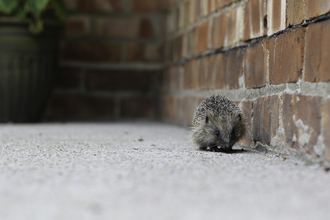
147 171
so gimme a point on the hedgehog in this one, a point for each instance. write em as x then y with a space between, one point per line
217 124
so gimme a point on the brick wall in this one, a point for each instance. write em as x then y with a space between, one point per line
124 59
110 60
269 56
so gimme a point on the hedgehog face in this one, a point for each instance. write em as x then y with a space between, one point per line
224 131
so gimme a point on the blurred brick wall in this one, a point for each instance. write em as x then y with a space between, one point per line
269 56
110 60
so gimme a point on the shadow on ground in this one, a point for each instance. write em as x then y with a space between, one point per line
233 151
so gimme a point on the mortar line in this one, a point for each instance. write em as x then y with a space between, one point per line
280 122
243 94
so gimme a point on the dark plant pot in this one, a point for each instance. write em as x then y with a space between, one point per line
28 65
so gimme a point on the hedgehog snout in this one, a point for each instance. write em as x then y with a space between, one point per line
227 147
225 139
225 142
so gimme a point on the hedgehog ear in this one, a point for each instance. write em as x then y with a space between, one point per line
206 119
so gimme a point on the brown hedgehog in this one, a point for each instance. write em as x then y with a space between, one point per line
218 123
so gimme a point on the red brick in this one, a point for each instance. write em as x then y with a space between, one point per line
126 27
190 75
168 51
68 78
136 107
85 51
196 73
187 13
164 30
185 41
204 8
170 78
147 28
222 3
271 118
171 3
266 119
153 52
174 72
211 6
95 5
258 13
68 106
202 37
187 44
216 68
295 12
181 17
326 128
178 114
177 48
165 79
218 30
142 53
301 10
247 22
178 111
233 68
171 22
228 1
258 114
191 42
316 8
276 18
164 107
255 65
255 12
135 53
211 71
219 4
187 72
119 80
317 65
197 9
203 73
189 104
176 19
231 28
170 108
149 5
247 109
302 121
286 56
77 26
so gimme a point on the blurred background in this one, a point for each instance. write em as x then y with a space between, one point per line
110 59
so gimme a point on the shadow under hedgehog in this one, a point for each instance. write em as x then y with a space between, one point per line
218 124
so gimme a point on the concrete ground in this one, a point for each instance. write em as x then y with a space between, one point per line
147 171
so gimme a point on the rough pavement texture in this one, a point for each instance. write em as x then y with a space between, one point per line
147 171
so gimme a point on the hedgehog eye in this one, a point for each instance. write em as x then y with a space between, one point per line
217 133
239 117
206 119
